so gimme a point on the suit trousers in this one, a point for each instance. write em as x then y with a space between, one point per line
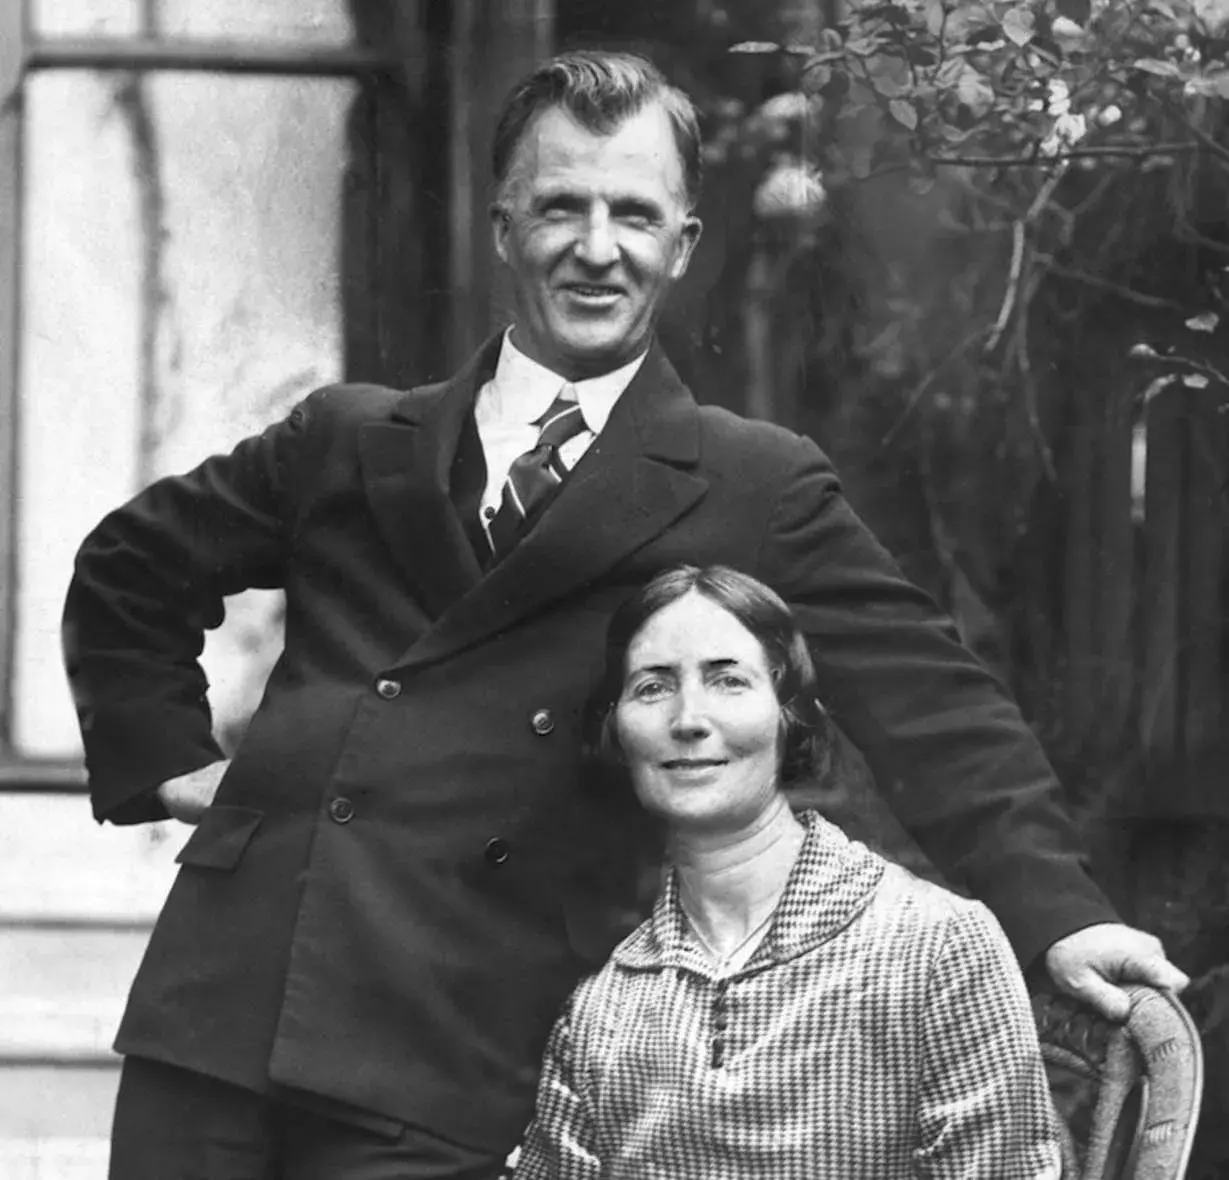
174 1124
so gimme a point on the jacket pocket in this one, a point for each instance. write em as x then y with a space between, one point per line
221 837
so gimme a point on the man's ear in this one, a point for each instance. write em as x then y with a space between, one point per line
501 224
692 228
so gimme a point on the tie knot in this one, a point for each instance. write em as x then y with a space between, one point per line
561 422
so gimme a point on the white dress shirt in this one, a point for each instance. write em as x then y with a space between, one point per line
518 394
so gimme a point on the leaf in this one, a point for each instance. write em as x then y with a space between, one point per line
755 47
975 92
1194 381
861 158
1211 84
965 21
1142 352
1065 29
1203 323
1162 69
1018 24
816 77
948 75
905 113
889 75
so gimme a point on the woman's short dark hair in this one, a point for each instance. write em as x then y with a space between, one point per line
599 89
805 735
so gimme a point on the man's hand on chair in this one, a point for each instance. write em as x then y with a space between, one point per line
1088 963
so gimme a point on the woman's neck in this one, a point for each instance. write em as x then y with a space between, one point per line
729 883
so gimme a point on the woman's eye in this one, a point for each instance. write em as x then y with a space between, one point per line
648 690
731 680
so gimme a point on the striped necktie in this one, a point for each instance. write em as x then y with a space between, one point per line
534 477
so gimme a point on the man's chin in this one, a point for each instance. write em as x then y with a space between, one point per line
599 351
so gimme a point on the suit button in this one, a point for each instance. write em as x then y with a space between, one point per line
341 809
390 690
496 851
542 722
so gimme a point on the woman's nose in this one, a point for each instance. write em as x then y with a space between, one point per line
690 720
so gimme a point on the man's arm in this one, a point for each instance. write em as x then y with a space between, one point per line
148 582
948 748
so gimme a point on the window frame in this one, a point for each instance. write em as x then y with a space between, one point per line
21 54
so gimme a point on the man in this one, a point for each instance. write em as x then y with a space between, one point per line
386 896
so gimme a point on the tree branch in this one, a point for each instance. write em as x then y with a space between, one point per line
1217 149
1013 287
916 393
1019 238
1128 293
1130 153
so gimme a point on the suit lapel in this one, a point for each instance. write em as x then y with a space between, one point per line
631 485
406 462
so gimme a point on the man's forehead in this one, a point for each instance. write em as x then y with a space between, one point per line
556 145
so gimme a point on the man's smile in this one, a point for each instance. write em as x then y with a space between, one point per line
593 294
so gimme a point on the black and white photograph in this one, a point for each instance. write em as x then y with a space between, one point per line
595 591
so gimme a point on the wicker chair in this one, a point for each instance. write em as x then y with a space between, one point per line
1127 1095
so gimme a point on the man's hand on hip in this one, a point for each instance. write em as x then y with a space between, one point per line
187 795
1088 963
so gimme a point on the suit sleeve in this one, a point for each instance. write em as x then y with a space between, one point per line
984 1106
148 582
949 749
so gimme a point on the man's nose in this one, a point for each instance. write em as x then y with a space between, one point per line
597 246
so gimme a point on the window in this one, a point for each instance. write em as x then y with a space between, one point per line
177 199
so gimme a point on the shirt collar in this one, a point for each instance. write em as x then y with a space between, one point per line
831 883
522 390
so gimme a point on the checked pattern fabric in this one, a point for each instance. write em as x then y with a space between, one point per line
880 1031
534 477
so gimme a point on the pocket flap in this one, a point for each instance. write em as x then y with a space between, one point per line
221 837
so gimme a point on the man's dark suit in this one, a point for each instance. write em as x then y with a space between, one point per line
382 905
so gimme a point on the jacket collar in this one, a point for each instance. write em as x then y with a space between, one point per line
831 883
634 481
406 463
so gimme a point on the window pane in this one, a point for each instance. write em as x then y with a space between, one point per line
313 22
116 18
180 289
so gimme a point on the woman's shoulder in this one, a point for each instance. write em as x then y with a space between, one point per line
927 908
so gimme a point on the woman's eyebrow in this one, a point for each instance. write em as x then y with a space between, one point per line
659 668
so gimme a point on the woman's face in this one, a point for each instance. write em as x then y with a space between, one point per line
698 718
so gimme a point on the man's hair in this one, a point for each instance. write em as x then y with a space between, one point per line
805 735
599 90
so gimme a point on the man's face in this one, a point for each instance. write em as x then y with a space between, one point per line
595 228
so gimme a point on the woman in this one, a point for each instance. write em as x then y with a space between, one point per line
796 1006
